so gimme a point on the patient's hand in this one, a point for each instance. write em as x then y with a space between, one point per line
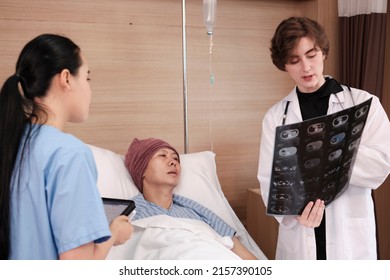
240 250
121 230
312 214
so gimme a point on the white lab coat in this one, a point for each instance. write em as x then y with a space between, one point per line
350 220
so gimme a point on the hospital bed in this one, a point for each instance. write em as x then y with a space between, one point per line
164 237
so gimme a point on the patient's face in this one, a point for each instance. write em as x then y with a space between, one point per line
163 169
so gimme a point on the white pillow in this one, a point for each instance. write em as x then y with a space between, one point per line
198 181
113 178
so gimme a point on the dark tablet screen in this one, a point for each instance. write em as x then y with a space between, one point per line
115 207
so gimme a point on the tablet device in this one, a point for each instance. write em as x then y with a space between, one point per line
115 207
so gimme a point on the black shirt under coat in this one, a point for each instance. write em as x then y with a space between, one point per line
312 105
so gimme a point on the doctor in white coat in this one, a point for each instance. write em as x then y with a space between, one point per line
345 229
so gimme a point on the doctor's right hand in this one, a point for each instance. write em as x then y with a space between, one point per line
121 230
312 214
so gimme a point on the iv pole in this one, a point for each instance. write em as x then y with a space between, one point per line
185 93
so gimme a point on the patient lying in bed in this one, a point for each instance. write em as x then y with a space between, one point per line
167 224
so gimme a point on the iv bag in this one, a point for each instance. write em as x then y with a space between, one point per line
209 10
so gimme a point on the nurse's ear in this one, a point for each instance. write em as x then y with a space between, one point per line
64 79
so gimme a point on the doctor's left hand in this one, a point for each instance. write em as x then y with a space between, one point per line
312 214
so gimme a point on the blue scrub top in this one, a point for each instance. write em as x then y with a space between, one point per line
55 202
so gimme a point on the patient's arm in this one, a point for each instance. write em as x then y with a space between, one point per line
241 251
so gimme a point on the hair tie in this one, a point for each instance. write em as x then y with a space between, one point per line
17 76
20 81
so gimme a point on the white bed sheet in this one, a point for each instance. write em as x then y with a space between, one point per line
166 238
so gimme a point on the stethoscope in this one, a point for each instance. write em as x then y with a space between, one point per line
285 112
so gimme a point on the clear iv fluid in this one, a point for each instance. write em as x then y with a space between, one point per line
209 10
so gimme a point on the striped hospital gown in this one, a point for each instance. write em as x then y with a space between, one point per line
182 207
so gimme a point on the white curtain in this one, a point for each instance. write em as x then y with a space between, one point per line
348 8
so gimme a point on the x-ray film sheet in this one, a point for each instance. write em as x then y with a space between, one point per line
314 159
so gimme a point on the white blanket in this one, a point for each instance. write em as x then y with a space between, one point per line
165 238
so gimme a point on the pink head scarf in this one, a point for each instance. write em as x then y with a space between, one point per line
139 154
